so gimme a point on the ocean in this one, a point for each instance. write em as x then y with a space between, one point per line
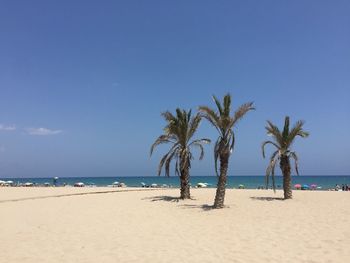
249 182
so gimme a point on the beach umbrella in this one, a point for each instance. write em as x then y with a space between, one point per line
305 187
202 185
297 186
241 186
313 186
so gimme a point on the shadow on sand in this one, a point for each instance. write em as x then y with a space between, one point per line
267 198
203 207
74 194
164 198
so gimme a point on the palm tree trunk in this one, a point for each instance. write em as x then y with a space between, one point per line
185 183
287 180
221 186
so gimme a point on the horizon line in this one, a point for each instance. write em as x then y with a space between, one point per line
132 176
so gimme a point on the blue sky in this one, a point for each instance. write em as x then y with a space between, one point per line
83 83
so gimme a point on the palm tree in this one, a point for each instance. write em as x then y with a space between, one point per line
283 142
224 123
178 132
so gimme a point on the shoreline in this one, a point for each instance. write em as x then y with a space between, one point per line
163 187
248 182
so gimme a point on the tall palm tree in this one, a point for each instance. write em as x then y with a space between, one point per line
179 132
283 141
224 124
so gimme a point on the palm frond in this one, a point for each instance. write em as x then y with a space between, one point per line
161 163
275 133
232 139
193 126
202 141
294 131
303 134
168 116
164 158
160 140
285 129
211 116
199 143
271 169
227 105
189 113
295 157
241 111
264 144
167 163
217 150
179 114
218 105
297 130
201 149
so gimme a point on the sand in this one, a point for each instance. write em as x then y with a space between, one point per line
154 226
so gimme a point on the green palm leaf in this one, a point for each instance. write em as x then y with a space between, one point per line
179 130
283 141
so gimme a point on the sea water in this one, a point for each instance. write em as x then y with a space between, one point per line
249 182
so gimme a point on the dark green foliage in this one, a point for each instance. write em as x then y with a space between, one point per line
282 141
178 132
224 123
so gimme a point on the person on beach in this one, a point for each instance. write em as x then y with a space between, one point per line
55 181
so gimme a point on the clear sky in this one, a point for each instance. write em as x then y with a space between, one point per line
83 83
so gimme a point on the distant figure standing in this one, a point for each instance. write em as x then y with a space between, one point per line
343 187
55 179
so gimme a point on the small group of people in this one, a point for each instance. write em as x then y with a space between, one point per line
344 187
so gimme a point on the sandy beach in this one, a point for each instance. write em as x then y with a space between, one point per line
147 225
